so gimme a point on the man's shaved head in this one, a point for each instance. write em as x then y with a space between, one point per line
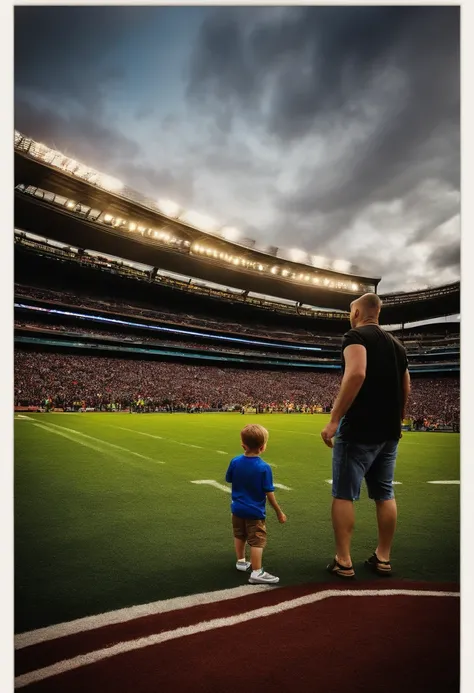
365 309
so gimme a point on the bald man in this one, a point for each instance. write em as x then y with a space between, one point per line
364 431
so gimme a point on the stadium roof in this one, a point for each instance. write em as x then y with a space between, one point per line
130 215
173 212
85 208
411 306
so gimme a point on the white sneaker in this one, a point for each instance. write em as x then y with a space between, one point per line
243 565
263 578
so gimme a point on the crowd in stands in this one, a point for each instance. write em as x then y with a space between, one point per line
98 381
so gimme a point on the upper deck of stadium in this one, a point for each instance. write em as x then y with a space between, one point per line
80 206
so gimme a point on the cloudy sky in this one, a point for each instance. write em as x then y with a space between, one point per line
331 129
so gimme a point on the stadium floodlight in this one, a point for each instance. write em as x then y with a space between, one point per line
230 233
354 286
297 255
169 208
315 280
108 218
307 278
341 265
199 221
132 226
109 183
318 261
141 229
326 282
70 204
285 273
260 268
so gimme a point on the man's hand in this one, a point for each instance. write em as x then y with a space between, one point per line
281 517
328 433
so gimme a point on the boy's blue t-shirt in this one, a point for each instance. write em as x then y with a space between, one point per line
251 479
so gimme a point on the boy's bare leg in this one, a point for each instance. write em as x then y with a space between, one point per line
256 557
239 548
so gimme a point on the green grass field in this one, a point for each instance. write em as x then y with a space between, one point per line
101 523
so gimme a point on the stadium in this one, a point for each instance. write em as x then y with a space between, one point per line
145 336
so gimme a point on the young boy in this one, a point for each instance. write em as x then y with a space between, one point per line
252 484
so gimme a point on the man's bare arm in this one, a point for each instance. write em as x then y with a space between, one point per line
406 387
355 357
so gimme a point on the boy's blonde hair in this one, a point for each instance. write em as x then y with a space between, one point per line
254 436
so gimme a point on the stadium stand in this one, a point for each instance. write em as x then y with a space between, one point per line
120 300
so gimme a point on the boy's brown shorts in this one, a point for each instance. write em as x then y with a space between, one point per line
254 531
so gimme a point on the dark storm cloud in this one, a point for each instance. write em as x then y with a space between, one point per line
446 256
101 143
315 68
333 129
88 140
71 51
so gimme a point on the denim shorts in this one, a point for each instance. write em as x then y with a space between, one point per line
352 462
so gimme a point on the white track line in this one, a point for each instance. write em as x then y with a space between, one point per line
80 625
105 442
157 638
282 486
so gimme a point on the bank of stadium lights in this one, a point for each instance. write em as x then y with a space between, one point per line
230 233
169 208
297 255
318 261
108 183
200 221
341 265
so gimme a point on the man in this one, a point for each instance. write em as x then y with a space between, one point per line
364 431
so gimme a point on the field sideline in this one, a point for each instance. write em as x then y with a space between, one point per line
106 515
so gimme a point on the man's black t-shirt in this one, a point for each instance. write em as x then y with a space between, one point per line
375 414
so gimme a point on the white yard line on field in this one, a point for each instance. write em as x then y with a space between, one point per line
74 440
211 482
448 482
106 443
169 440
